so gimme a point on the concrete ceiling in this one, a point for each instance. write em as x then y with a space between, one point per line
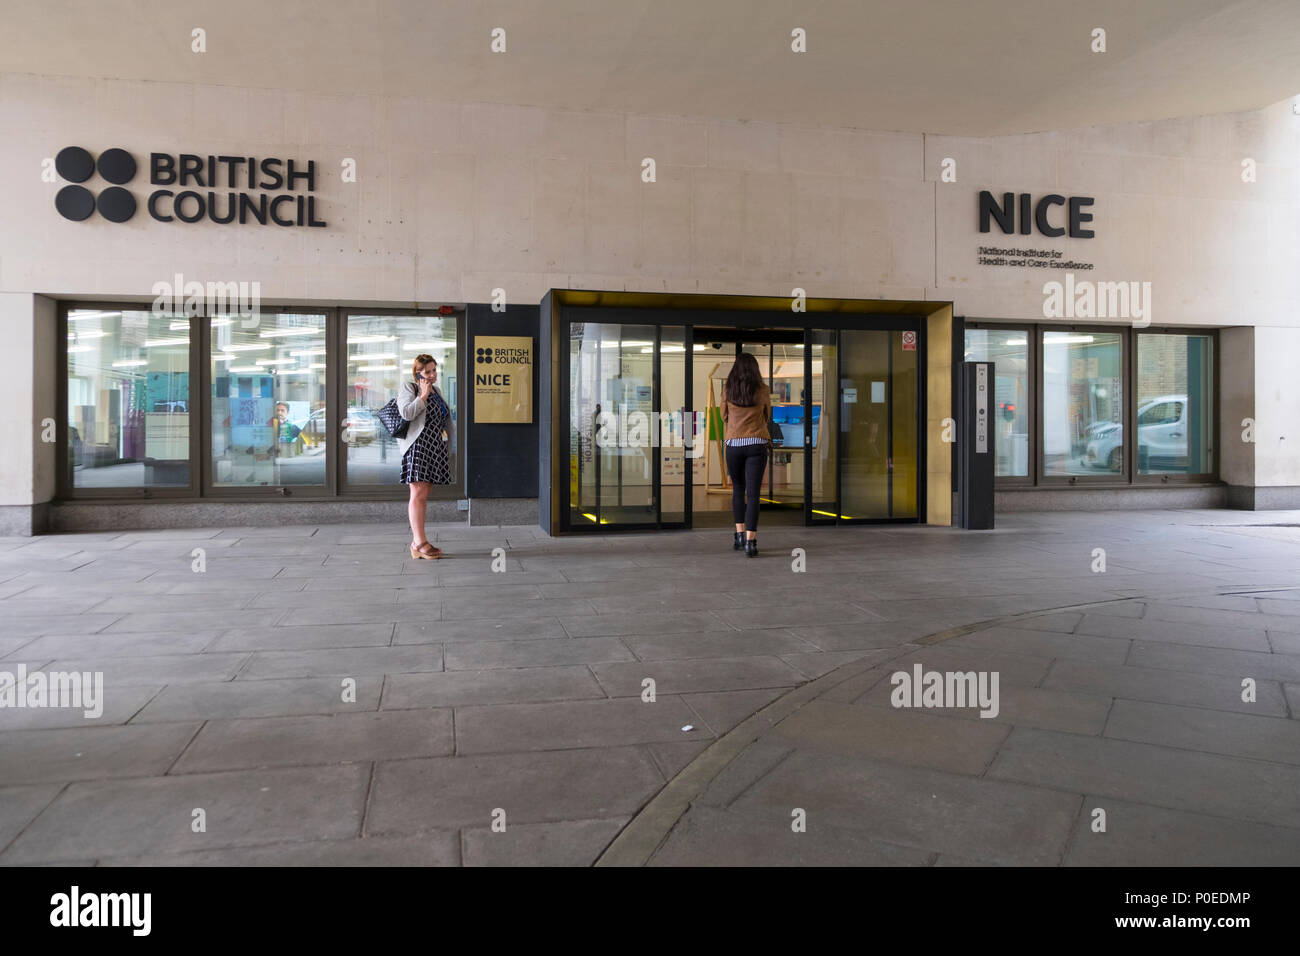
958 67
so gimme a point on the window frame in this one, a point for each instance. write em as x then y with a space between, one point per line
65 488
210 490
338 344
1171 478
1030 480
201 487
1129 477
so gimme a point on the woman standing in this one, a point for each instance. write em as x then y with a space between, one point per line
746 409
425 461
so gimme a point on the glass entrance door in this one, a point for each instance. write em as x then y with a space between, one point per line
646 437
878 424
628 464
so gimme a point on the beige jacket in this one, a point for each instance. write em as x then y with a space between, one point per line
749 421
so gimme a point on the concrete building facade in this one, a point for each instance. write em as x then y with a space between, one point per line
472 213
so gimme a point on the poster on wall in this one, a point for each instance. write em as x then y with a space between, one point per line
503 379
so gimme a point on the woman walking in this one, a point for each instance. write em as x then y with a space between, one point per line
425 461
746 409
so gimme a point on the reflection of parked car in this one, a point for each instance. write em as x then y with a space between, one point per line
313 428
361 427
1162 437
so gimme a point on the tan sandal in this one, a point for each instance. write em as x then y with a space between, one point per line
432 554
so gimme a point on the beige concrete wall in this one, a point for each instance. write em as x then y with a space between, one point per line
1171 208
454 200
1277 407
20 424
1236 405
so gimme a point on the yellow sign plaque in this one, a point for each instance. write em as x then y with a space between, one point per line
503 379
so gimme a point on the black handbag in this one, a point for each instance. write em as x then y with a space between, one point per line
392 419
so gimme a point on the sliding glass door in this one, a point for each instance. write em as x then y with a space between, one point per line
628 431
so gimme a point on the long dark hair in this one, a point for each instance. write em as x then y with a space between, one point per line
743 381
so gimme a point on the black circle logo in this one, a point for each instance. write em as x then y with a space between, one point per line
116 204
483 356
117 166
77 202
74 164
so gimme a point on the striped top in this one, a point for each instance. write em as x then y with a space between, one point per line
746 441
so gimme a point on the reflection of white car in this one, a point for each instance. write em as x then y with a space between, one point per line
361 427
1162 437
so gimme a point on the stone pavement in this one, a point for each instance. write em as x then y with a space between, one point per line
517 696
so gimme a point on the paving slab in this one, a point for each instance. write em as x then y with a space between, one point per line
500 686
1210 731
570 843
93 753
342 662
1164 686
1143 773
156 814
1018 706
20 805
1141 835
695 675
768 839
408 796
906 736
723 710
450 632
920 808
260 698
573 724
486 655
336 738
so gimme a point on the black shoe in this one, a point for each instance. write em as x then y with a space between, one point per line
740 541
751 548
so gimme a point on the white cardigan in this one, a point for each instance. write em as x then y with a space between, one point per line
412 408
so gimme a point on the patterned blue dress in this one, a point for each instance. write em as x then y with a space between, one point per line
428 459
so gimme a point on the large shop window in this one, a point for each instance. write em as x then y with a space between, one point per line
1008 349
128 400
287 402
268 400
1175 409
381 351
1095 386
1083 404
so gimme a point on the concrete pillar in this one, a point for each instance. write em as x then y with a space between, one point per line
29 422
939 483
1277 418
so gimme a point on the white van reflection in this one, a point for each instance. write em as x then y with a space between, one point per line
1162 437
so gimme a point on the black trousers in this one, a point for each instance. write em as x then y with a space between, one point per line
745 464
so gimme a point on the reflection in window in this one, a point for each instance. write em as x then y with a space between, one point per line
1175 418
268 400
1008 349
381 351
1083 403
128 399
